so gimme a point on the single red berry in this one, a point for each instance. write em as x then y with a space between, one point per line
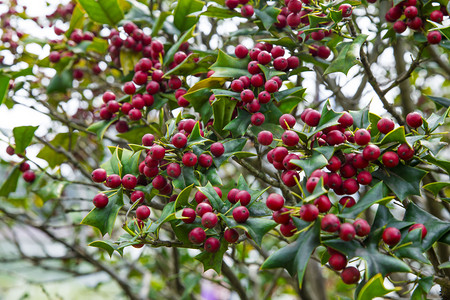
337 261
309 212
362 137
281 216
247 11
293 62
317 35
98 175
23 167
288 229
347 201
129 181
434 37
335 137
362 228
385 125
277 51
293 20
294 6
390 159
311 184
288 178
346 120
399 26
203 208
265 137
371 152
330 223
411 12
188 215
419 226
205 160
271 86
241 214
346 10
137 196
100 200
287 121
157 152
135 114
275 202
217 149
280 63
258 119
350 275
290 138
209 220
323 203
334 164
437 16
312 118
232 195
159 182
244 197
347 232
54 56
231 235
197 235
391 236
189 159
347 171
113 181
241 51
212 245
350 186
364 178
414 24
142 212
173 170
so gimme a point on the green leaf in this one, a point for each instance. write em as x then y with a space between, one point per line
231 147
104 218
288 105
268 16
108 246
444 164
230 67
195 137
168 57
223 108
441 101
212 196
375 288
184 8
159 22
374 195
310 164
445 265
213 176
376 262
52 157
4 86
284 41
190 67
316 20
361 118
435 120
444 30
128 60
100 127
200 101
168 214
103 11
77 20
23 136
183 197
10 184
269 73
130 161
60 82
186 178
395 136
329 118
239 125
98 45
436 187
257 228
347 57
403 180
414 250
220 13
423 288
114 164
213 260
226 93
436 228
296 91
294 257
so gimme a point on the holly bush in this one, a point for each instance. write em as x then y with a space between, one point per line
304 138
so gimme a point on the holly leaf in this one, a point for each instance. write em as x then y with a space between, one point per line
395 136
257 228
183 197
295 91
310 164
403 180
268 16
423 288
375 288
328 118
130 161
195 138
103 11
444 164
436 187
231 147
376 262
373 196
186 178
347 57
168 214
294 257
190 66
23 135
230 67
361 119
440 101
414 250
108 246
239 125
223 108
436 228
100 127
114 164
212 196
10 184
199 98
104 218
4 86
213 260
181 15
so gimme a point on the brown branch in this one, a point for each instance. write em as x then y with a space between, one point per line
234 281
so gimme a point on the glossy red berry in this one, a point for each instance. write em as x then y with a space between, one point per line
258 119
334 164
179 140
142 212
189 159
159 182
385 125
288 229
244 197
390 159
157 152
371 152
290 138
364 178
173 170
203 208
337 261
241 51
265 137
137 196
99 175
350 275
212 245
275 202
281 216
323 203
346 10
308 212
217 149
391 236
100 200
347 201
414 120
419 226
311 184
209 220
362 137
335 137
247 11
113 181
231 235
289 177
362 228
405 152
240 214
347 232
197 235
330 223
129 181
437 16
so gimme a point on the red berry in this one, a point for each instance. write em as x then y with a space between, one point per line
212 245
364 178
231 235
350 186
129 181
189 159
419 226
335 137
371 152
405 152
203 208
157 152
257 80
411 12
399 26
414 24
258 119
217 149
173 170
350 275
100 200
346 10
137 195
293 62
385 125
271 86
23 167
293 20
205 160
309 212
437 16
277 51
280 63
334 164
275 202
253 67
290 138
347 201
317 35
337 261
347 171
362 137
244 197
179 140
241 51
362 228
159 182
390 159
237 86
311 184
241 214
142 212
281 216
288 229
265 138
391 236
330 223
288 178
232 195
209 220
312 118
54 56
287 121
279 153
129 88
247 11
434 37
197 235
347 232
113 181
346 120
98 175
323 203
135 114
295 6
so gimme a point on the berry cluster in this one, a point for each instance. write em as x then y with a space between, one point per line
24 167
415 19
247 10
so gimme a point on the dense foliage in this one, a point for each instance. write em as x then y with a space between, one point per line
222 149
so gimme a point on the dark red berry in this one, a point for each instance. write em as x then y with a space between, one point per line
100 200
